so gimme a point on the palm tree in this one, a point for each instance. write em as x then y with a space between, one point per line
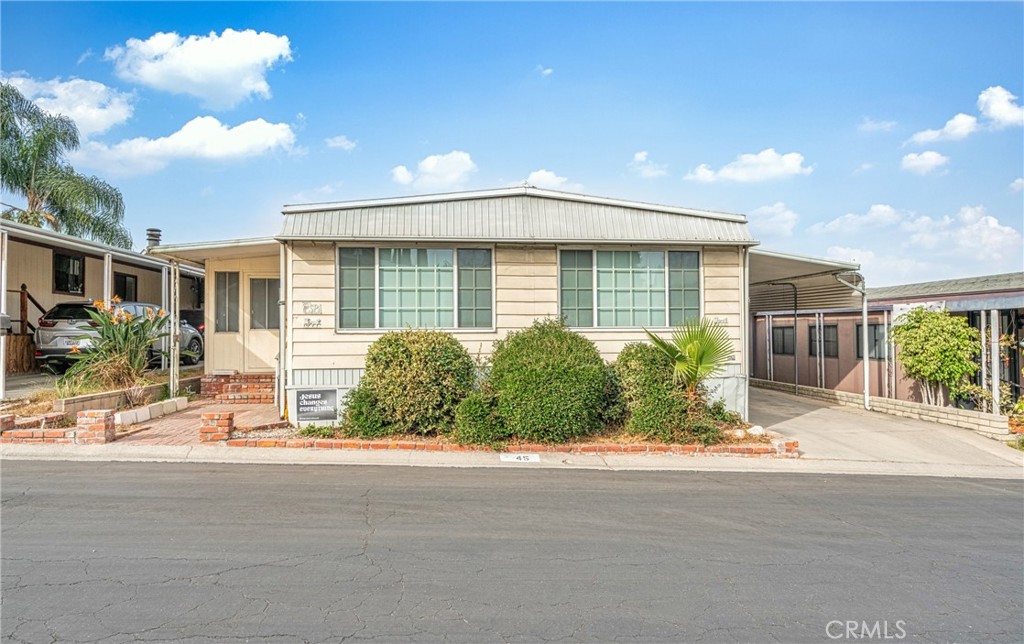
699 349
33 144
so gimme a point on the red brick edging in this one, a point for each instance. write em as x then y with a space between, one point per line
92 428
779 448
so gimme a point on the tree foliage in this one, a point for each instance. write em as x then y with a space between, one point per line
937 349
699 349
33 147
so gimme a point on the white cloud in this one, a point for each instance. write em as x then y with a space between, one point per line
545 71
924 163
748 168
870 125
546 179
643 166
221 71
437 171
773 221
341 141
204 137
877 216
1017 184
92 105
920 247
959 127
864 167
86 55
999 106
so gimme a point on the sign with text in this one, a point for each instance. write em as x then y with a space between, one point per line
317 404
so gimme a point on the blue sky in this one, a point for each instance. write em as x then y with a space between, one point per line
886 133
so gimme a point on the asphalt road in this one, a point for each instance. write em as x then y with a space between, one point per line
109 552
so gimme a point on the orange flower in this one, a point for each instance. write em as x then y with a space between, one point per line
74 349
116 299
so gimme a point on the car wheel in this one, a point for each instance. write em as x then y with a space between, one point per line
196 347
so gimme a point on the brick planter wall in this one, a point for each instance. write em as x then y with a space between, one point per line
989 425
92 428
216 427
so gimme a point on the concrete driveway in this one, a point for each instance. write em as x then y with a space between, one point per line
838 433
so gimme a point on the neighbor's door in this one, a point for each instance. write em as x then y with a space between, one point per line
263 326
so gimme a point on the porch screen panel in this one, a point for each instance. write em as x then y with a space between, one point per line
264 313
417 288
630 288
226 302
356 288
576 287
683 286
474 288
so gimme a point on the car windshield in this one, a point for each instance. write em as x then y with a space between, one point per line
69 312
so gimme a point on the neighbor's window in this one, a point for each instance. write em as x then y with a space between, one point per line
126 287
68 273
783 341
226 302
629 288
392 288
876 341
830 340
264 312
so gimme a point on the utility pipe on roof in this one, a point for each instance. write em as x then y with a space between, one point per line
866 352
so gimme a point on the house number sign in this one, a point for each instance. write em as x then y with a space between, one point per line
317 404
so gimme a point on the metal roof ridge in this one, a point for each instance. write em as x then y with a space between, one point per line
523 190
807 258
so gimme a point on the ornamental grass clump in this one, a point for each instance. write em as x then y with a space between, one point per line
118 354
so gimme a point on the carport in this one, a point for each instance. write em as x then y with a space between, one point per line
786 284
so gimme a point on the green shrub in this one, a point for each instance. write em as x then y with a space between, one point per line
418 378
477 421
718 411
550 383
613 405
317 431
657 408
363 416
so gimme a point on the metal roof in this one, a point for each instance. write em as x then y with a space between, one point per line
522 214
24 232
1008 282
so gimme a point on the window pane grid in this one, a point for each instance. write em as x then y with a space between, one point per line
684 286
474 288
576 287
876 338
783 341
226 302
357 289
630 288
416 287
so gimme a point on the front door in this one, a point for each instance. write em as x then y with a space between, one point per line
263 328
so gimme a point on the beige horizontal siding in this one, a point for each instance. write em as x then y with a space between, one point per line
526 289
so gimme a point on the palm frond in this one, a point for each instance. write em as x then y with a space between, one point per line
699 349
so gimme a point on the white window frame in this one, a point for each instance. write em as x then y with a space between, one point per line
454 247
646 248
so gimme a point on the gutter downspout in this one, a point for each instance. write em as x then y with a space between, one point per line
283 325
747 345
866 353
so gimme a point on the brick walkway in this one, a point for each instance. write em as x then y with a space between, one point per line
182 428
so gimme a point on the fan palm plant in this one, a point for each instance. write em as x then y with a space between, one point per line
699 349
33 145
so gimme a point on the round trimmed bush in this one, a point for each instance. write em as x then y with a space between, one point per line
417 379
363 416
657 408
477 421
550 383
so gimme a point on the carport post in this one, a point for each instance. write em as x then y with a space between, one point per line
994 332
175 337
984 364
862 288
3 309
108 278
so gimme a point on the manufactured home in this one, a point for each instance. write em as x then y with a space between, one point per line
305 305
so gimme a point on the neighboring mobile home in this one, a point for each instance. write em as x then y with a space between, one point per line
42 268
477 264
786 348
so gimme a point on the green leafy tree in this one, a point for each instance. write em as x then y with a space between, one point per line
33 146
698 349
936 349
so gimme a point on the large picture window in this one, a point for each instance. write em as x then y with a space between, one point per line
68 273
226 302
629 289
392 288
